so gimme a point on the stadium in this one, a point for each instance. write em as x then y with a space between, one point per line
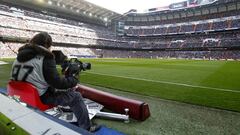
181 61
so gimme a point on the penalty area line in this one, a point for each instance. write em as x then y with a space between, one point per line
171 83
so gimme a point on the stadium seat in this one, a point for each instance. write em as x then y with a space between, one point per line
27 93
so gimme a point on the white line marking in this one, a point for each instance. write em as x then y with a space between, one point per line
172 83
2 63
112 61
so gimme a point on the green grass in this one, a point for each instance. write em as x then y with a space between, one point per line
5 71
7 127
209 83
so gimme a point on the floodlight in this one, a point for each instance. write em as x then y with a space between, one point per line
50 2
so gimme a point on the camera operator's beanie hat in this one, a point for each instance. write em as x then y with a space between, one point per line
42 39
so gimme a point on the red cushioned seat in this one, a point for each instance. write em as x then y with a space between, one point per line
27 93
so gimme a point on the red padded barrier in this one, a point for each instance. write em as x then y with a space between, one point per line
137 109
27 94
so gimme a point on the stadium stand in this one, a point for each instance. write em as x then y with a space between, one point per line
209 31
200 28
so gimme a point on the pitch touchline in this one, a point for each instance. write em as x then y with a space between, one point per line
172 83
2 63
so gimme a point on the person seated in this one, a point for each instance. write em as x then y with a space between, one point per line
35 63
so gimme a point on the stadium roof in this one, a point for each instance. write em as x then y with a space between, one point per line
78 9
87 8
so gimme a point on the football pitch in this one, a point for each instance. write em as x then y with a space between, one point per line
181 94
207 83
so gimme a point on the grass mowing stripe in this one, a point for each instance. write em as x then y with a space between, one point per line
171 83
197 96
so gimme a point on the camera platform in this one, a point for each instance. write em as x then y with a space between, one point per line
94 109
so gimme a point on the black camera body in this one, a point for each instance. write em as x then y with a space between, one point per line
74 67
71 67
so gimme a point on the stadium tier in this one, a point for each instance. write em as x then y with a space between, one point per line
218 16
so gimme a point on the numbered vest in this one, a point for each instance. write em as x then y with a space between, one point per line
32 72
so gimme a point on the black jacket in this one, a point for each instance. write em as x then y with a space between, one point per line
27 52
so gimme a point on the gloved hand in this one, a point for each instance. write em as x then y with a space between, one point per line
72 70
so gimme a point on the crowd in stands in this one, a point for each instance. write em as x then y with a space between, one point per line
26 27
218 16
184 18
188 41
207 55
183 28
71 32
70 51
9 49
180 20
28 23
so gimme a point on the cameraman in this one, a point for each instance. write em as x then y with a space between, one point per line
36 64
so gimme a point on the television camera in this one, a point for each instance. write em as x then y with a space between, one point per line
72 66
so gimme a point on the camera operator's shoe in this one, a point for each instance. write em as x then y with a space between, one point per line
94 128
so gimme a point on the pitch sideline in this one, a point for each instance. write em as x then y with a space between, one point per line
2 63
172 83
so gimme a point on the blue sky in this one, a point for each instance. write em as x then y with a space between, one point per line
122 6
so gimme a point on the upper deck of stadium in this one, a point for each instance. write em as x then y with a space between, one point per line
79 10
